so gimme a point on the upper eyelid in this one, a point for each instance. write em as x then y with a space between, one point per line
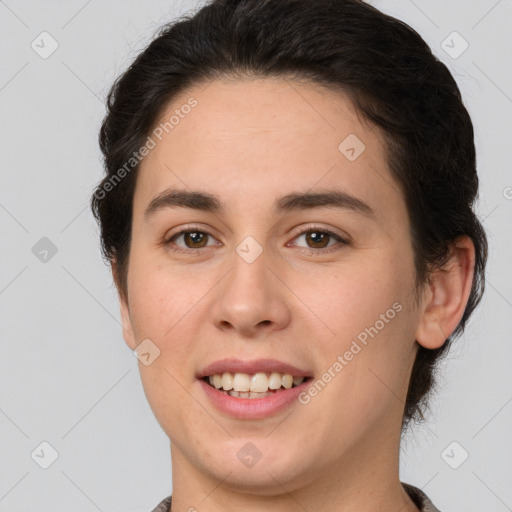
300 231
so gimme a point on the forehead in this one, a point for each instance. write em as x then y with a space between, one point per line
250 141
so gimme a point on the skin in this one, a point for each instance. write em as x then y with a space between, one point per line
250 142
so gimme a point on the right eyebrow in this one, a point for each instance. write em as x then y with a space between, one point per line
184 199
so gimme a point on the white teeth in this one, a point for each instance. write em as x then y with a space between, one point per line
275 380
259 383
244 394
259 395
287 381
241 384
227 381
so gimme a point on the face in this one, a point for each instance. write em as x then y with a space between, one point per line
297 261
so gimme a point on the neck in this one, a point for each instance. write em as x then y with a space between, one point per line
364 480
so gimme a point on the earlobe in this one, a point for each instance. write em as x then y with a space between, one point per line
124 310
447 295
127 324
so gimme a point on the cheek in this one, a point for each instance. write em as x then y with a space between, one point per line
367 308
354 296
159 299
163 388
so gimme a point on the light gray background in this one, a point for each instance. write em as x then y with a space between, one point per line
67 376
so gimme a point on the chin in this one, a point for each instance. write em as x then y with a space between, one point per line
241 465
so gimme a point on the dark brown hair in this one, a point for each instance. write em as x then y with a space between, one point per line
384 66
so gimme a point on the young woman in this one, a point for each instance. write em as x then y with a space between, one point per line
288 213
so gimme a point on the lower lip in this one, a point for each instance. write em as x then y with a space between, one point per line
252 408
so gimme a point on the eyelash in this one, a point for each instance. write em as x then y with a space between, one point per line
309 229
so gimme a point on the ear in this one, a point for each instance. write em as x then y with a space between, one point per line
126 322
446 295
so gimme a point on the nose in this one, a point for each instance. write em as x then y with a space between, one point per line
252 299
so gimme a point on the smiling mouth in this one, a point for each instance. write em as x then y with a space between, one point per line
256 385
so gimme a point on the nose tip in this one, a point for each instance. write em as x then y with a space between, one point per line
250 298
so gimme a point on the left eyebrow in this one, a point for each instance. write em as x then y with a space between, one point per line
323 199
207 202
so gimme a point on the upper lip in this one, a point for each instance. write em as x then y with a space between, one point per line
234 365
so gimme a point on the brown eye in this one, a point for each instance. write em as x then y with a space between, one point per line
319 239
195 238
192 239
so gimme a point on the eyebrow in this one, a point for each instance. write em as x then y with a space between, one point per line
207 202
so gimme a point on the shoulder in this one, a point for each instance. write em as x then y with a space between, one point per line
164 505
421 500
417 495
